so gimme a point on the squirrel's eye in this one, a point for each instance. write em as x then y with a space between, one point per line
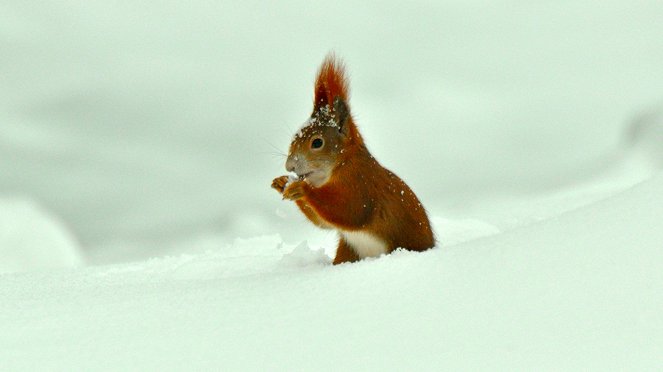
317 143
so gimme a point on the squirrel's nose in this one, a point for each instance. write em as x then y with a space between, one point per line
290 164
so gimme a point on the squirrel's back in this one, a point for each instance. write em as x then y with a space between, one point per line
397 215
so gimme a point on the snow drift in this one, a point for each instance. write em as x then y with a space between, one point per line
31 238
578 291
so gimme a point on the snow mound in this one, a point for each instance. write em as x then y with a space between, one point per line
256 256
566 293
31 238
246 257
455 231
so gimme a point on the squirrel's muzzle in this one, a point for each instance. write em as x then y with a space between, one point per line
290 164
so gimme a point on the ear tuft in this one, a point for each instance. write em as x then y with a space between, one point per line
330 83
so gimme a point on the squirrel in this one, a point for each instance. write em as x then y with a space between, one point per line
341 186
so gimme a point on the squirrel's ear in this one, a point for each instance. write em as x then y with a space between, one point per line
342 114
330 82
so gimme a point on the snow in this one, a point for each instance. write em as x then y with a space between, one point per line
31 238
138 230
578 291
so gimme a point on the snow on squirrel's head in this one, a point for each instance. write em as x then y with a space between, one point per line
324 140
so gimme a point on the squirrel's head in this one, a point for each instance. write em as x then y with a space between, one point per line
329 135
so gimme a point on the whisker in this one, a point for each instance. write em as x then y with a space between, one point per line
275 150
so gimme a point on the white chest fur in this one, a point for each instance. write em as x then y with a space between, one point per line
365 244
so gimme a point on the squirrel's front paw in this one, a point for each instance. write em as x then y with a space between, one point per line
295 190
280 183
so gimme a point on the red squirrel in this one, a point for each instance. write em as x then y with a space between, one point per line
341 186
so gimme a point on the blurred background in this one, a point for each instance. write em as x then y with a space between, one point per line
138 126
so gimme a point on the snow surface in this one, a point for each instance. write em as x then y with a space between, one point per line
138 230
578 291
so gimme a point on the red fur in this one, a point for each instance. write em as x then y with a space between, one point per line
330 82
360 194
345 253
363 195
